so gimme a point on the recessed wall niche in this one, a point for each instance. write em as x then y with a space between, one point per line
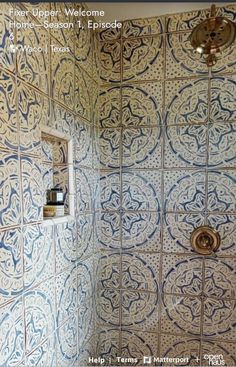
57 167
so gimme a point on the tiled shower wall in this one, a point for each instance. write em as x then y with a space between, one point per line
46 267
168 165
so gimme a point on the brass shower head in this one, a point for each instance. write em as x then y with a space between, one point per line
212 36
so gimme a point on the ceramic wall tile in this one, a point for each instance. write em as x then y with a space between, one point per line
64 35
110 191
140 311
182 275
181 315
225 225
184 191
39 313
67 343
143 58
227 350
62 78
7 58
47 151
10 205
60 152
223 102
108 346
44 355
84 235
85 281
84 46
11 269
109 34
84 190
12 333
85 321
142 104
108 303
109 107
186 101
141 190
110 148
62 120
110 61
107 230
221 144
8 120
221 191
65 244
185 21
185 145
33 114
180 347
141 231
142 27
47 178
32 189
109 270
177 229
33 66
83 144
82 93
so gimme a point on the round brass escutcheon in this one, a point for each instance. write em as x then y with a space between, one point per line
205 240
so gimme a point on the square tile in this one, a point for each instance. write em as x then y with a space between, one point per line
85 282
108 345
223 100
84 235
109 34
84 45
186 101
221 191
66 251
108 230
110 61
222 150
110 190
84 190
32 189
67 338
142 27
141 190
142 148
83 97
83 147
142 104
184 191
185 145
10 206
109 107
11 271
108 303
45 354
143 58
86 321
108 272
141 231
62 120
225 225
182 275
110 148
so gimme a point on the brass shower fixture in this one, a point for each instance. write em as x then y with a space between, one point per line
205 240
212 36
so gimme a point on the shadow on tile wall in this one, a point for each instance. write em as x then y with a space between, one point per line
46 268
168 165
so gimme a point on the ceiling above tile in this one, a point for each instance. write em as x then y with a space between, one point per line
122 11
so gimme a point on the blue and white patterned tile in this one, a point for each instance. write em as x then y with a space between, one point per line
219 319
67 343
108 230
7 58
62 120
108 345
47 178
108 303
44 355
220 278
83 45
66 247
177 230
87 350
47 150
185 21
12 334
33 67
221 191
38 254
60 152
83 96
109 62
33 113
140 311
11 264
86 321
143 58
180 347
142 27
66 295
110 148
142 148
83 149
135 345
184 191
142 104
8 120
108 34
63 35
222 137
181 315
85 281
181 58
186 101
84 235
182 275
223 101
32 189
84 190
110 190
185 145
109 107
10 205
227 350
109 270
225 225
62 78
140 271
141 190
39 314
141 231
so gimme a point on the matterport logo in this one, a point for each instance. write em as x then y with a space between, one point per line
147 360
214 359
